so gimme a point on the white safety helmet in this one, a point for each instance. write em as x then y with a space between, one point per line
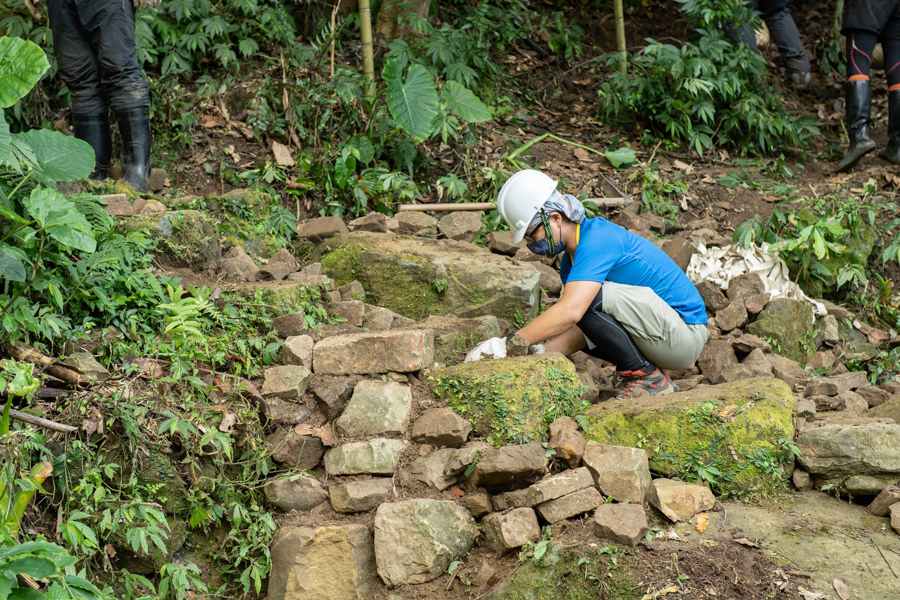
522 197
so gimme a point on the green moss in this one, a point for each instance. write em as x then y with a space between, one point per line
889 409
511 400
685 436
184 238
399 282
287 296
575 576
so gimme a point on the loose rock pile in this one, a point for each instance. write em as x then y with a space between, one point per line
418 461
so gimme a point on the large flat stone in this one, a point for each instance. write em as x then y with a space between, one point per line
416 540
304 493
623 524
285 383
507 399
669 426
833 451
399 272
441 427
680 501
376 457
374 352
559 485
510 530
510 467
618 471
832 386
570 505
360 496
377 408
333 563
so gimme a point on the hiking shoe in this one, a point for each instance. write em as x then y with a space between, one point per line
638 383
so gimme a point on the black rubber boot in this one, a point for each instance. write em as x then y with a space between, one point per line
858 99
94 129
891 152
134 124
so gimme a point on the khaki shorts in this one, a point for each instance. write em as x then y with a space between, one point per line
656 328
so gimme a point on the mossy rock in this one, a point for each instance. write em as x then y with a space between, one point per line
155 472
790 324
144 563
243 220
510 400
287 296
562 575
889 409
418 277
732 427
184 238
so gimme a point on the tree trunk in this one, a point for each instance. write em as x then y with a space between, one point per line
388 22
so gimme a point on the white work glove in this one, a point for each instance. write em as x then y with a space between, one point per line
536 349
492 348
146 3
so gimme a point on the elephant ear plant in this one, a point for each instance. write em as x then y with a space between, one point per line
37 224
35 221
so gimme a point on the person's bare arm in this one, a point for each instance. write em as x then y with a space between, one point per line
563 315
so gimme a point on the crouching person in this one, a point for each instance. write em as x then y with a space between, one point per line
624 301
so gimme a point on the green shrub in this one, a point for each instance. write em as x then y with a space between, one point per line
707 93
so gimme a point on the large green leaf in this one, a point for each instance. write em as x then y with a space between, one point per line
59 157
12 267
414 102
5 138
61 219
36 567
22 64
465 104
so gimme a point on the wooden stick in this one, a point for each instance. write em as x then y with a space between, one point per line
890 566
41 422
602 202
24 352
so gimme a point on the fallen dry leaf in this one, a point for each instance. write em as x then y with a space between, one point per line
110 551
702 522
324 432
457 492
728 411
672 589
582 154
212 121
228 422
745 542
808 595
282 155
149 368
842 590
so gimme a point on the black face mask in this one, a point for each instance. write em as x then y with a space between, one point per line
545 246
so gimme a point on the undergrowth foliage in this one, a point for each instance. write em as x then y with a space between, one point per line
707 93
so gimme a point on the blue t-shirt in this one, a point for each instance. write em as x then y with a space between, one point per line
607 252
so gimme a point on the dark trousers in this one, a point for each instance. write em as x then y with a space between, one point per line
94 45
783 30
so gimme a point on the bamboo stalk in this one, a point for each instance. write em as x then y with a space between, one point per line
365 33
620 35
333 18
